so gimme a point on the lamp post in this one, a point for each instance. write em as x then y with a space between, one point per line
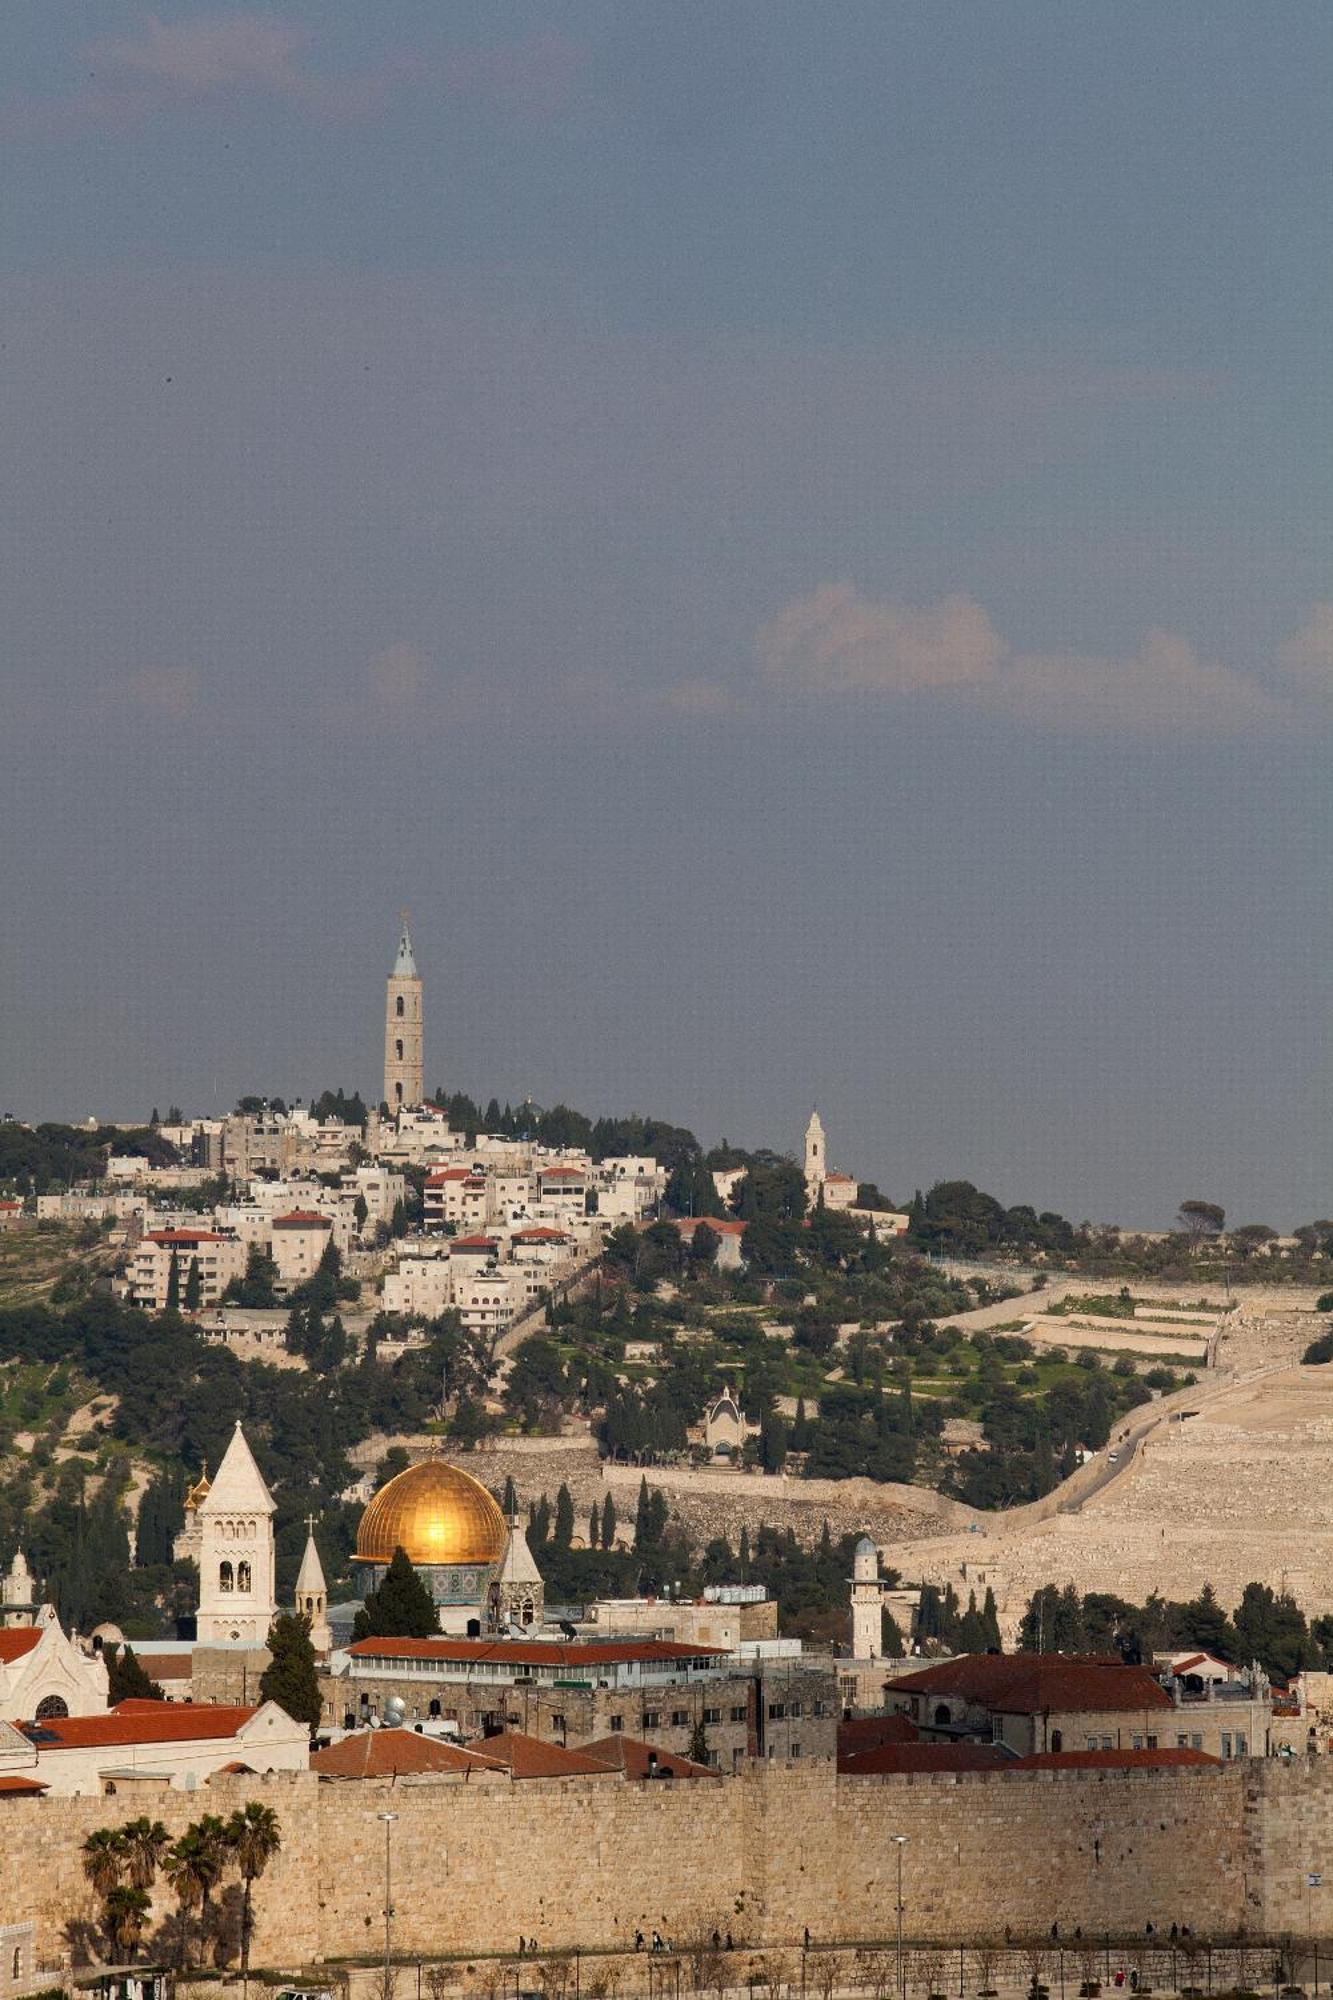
900 1841
388 1818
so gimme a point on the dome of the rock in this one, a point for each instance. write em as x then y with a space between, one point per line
437 1514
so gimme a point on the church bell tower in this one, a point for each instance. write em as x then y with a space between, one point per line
403 1063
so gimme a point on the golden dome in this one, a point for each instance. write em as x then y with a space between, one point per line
436 1514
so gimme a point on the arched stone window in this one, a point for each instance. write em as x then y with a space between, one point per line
242 1576
226 1577
398 1051
528 1612
400 1007
51 1708
17 1967
1057 1739
943 1714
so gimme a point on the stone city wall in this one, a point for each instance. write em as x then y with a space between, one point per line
476 1863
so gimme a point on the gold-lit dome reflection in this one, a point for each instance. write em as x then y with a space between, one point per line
436 1514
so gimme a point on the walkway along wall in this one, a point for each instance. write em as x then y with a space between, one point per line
589 1861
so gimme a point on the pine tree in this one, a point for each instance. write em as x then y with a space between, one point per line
402 1607
608 1523
290 1678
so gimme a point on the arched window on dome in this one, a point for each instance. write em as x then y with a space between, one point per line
226 1577
242 1576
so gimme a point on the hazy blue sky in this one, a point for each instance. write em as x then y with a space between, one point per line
796 538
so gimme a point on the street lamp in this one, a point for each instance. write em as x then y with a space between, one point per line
388 1818
900 1840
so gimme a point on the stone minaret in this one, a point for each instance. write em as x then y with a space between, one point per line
867 1602
403 1065
236 1600
312 1593
816 1158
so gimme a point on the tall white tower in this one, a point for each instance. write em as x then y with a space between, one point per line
867 1602
816 1158
236 1600
404 1068
312 1593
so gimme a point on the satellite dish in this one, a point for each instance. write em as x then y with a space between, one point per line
395 1708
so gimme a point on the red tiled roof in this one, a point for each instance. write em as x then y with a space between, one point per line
868 1732
14 1644
302 1218
182 1236
892 1759
576 1654
847 1179
395 1753
540 1234
562 1173
5 1202
724 1225
448 1174
642 1760
529 1757
1025 1683
475 1243
143 1722
21 1788
1114 1760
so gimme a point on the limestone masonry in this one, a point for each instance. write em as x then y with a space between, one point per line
476 1862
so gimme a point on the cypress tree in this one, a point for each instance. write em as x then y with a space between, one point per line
173 1285
608 1523
564 1517
594 1525
290 1678
194 1287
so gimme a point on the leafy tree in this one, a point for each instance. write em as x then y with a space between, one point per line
291 1678
699 1752
254 1837
1200 1219
704 1246
691 1189
1271 1628
402 1607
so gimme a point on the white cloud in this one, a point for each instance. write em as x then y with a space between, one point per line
838 642
1307 657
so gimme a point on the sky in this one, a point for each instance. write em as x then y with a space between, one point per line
794 539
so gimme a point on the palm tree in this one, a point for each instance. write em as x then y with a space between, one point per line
196 1864
145 1844
254 1837
104 1860
125 1913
